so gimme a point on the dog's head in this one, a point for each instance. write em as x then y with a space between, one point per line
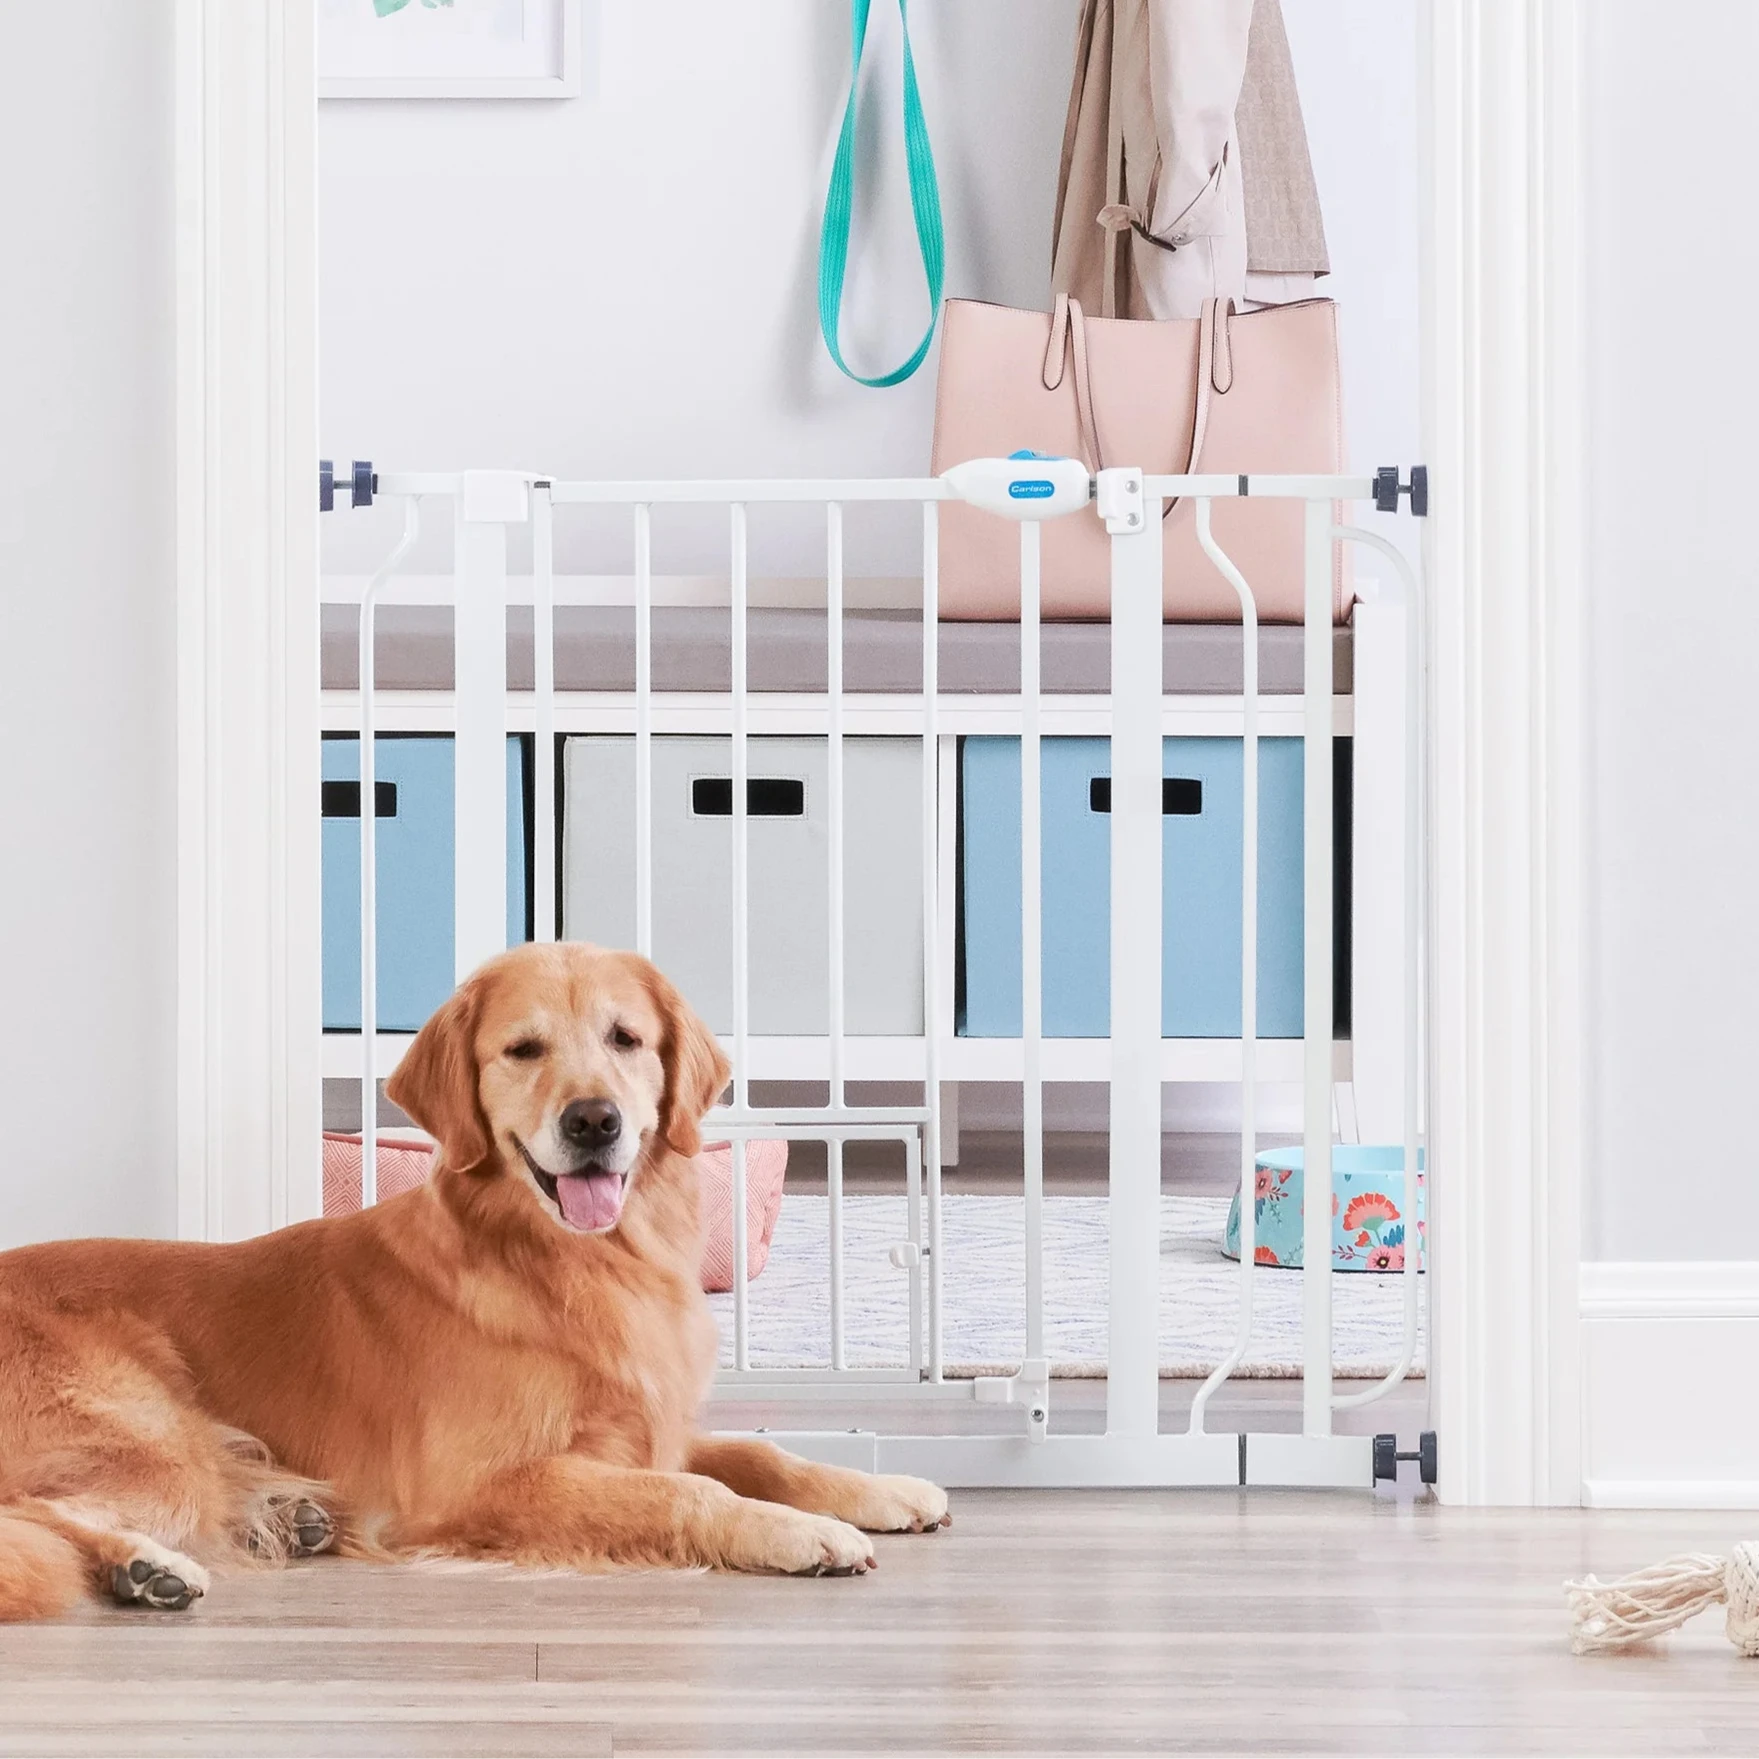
566 1069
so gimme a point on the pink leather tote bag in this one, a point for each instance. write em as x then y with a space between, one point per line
1229 392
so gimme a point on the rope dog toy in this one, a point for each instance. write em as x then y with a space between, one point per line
1609 1616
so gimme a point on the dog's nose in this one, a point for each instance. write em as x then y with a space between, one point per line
591 1123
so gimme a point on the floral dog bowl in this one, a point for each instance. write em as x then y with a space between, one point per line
1368 1229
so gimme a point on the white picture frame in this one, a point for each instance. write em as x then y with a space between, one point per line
449 48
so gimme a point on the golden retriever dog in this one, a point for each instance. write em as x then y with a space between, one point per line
504 1364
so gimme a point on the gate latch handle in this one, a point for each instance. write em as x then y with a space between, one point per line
1118 500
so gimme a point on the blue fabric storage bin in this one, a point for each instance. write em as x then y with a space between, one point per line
1202 855
416 883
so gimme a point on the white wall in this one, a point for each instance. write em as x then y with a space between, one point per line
87 714
1670 1292
627 284
1356 65
1673 589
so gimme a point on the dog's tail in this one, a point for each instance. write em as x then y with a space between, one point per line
41 1574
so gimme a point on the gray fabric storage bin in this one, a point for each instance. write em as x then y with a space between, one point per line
789 874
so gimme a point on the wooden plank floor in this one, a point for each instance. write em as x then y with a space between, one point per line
1168 1622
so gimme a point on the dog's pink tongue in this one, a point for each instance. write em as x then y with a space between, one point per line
590 1200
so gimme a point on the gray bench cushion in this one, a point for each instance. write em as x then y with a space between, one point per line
882 652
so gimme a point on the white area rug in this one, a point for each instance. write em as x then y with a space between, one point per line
983 1326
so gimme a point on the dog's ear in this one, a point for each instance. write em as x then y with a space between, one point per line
436 1083
696 1071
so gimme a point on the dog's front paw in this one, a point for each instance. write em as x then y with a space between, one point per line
789 1543
895 1504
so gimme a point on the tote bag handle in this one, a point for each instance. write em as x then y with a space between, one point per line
925 204
1215 373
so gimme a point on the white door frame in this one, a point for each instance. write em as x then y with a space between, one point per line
1503 396
249 1097
1503 429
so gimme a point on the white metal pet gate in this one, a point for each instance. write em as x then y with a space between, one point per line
481 711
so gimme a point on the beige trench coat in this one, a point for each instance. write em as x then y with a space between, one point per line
1185 172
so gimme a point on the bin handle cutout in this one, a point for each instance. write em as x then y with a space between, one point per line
342 800
1180 796
765 797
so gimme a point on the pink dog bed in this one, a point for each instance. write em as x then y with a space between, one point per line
766 1166
403 1164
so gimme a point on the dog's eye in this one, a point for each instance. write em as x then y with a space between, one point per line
526 1050
624 1039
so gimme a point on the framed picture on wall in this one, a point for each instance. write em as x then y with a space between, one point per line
449 48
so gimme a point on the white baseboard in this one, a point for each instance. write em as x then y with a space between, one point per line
1668 1354
1714 1289
1681 1493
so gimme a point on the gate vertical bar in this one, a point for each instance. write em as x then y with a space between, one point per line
480 746
834 832
1316 1022
1248 959
1032 939
543 683
369 864
741 933
913 1231
1411 847
1133 1372
1417 1228
931 992
644 714
369 910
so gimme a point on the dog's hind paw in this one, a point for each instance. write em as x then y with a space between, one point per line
310 1529
294 1526
161 1579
